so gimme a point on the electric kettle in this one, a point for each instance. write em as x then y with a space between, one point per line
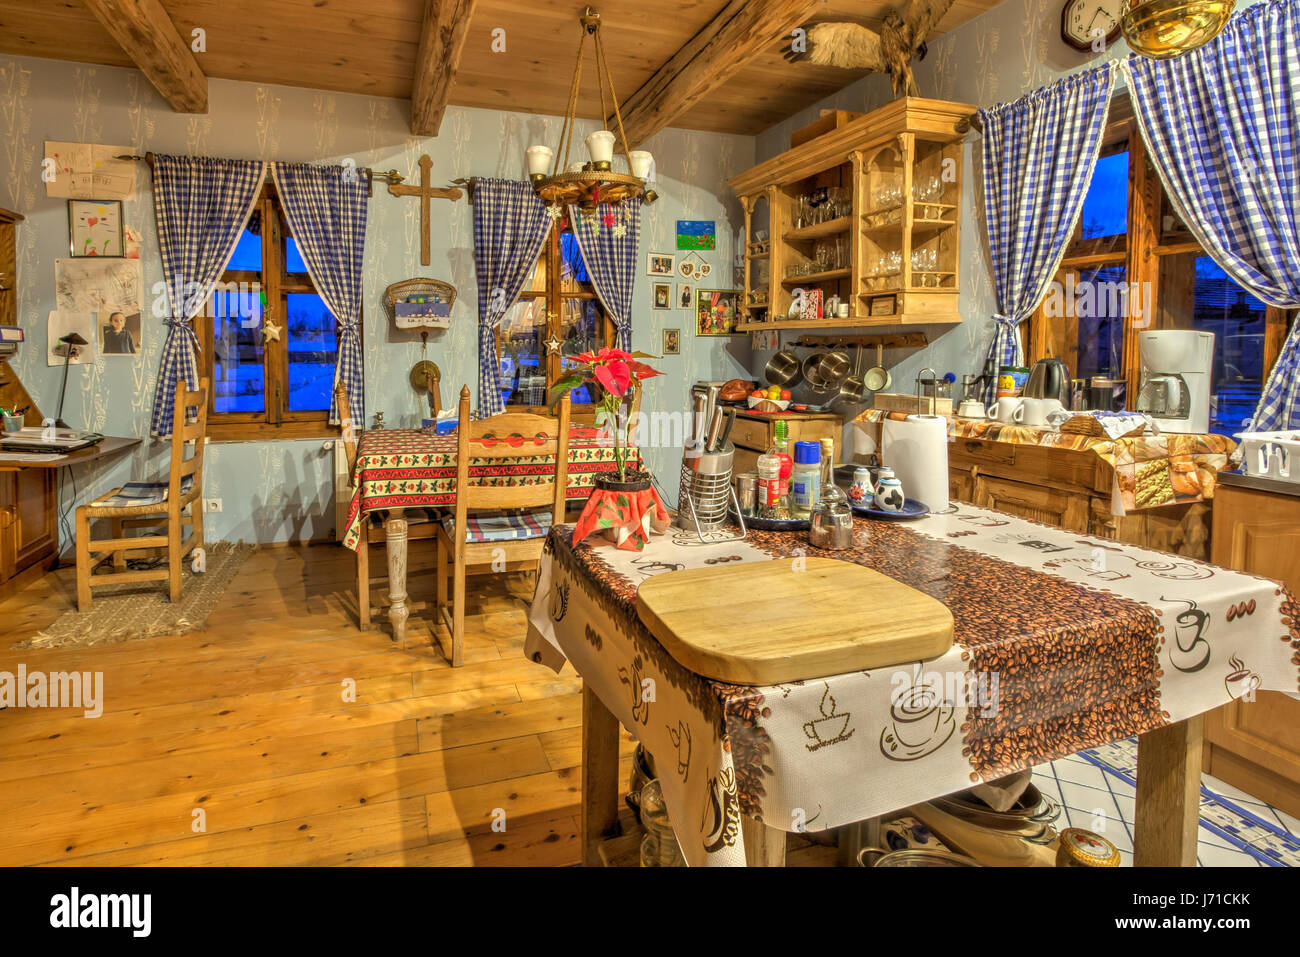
1049 379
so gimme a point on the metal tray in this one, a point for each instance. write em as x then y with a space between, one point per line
911 509
774 524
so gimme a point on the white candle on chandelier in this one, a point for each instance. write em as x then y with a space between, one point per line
539 160
600 144
640 162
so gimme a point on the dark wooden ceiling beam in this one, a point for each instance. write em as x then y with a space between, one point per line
442 39
741 31
147 35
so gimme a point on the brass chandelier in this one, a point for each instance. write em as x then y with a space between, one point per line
1163 29
587 184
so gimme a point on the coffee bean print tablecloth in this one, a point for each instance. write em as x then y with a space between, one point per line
409 468
1062 642
1150 470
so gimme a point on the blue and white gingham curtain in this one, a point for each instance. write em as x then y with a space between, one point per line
611 258
326 210
510 226
201 205
1039 154
1221 125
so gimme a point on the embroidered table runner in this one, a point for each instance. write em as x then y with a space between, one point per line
1062 642
398 468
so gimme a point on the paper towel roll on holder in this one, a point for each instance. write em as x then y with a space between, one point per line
934 390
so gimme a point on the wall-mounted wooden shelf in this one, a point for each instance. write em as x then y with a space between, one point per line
815 277
899 320
909 141
832 227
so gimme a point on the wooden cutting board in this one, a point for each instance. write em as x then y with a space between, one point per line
765 622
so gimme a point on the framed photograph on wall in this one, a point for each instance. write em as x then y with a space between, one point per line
672 342
686 295
662 295
660 265
95 228
716 312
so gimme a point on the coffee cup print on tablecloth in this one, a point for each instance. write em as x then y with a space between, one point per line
1241 682
831 727
921 721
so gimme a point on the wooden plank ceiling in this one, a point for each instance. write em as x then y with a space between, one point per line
371 47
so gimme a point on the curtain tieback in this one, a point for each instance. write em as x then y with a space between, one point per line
184 324
1007 321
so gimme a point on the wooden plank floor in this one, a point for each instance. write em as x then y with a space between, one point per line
244 727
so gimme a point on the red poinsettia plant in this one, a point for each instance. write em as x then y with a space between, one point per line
613 371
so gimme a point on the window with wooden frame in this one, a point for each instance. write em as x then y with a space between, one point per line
1133 265
557 317
269 341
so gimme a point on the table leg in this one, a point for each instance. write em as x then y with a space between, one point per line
1168 795
764 845
395 530
599 775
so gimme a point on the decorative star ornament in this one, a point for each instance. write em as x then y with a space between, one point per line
270 331
620 231
554 211
553 345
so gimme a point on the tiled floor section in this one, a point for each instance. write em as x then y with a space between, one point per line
1095 789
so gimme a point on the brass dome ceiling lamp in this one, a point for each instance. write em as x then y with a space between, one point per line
593 182
1163 29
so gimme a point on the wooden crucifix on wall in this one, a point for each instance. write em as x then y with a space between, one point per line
426 192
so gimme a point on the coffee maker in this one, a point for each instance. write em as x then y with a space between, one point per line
1175 385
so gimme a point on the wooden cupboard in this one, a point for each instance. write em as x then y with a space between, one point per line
1070 489
1255 745
893 179
753 434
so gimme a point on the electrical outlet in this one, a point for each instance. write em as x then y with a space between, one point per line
212 505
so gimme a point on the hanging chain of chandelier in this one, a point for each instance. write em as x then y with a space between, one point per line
587 184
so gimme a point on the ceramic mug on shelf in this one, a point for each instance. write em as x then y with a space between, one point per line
1035 411
1007 409
889 495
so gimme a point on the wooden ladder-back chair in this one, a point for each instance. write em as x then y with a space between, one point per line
184 488
420 522
499 540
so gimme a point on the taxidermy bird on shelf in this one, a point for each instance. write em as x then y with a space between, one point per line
852 46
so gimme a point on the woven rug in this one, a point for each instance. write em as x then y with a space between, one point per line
141 609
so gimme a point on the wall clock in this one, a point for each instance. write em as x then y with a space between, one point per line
1081 19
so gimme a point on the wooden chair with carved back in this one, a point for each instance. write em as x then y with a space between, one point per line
184 489
421 523
502 527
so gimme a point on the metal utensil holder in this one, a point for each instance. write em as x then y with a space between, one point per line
706 494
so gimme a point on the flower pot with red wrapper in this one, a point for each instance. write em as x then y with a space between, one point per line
623 506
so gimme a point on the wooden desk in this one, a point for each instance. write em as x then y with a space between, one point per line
110 445
29 505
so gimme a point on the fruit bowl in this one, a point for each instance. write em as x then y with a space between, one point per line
776 405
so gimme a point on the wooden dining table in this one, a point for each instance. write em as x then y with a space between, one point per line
400 469
1061 642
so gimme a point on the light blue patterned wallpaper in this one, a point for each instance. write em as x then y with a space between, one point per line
276 491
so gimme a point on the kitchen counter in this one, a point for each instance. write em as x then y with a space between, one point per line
1150 490
1260 483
